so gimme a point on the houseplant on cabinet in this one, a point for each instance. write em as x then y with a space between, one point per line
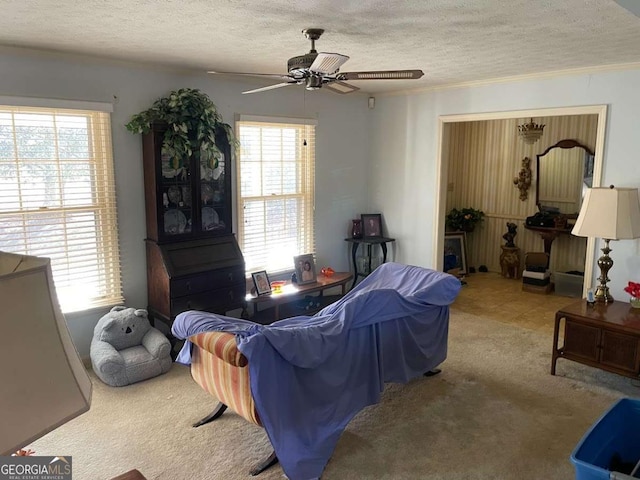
193 122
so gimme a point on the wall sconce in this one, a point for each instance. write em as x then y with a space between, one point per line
530 132
523 180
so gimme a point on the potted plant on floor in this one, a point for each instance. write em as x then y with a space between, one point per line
463 220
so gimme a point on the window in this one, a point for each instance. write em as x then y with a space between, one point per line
57 199
275 172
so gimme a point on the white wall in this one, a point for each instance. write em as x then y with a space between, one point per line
405 143
342 148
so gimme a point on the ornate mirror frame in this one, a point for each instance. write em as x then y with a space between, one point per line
565 144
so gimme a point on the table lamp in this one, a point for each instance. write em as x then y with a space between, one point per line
44 383
611 214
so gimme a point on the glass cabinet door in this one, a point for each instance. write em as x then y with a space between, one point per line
176 197
191 195
213 194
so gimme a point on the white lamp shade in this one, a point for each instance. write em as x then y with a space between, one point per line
43 381
611 213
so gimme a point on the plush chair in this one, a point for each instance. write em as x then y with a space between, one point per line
126 349
221 370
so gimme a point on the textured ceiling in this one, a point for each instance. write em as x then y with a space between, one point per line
452 41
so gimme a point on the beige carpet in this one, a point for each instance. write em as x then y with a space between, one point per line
493 413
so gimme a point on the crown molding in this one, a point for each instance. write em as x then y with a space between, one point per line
600 110
517 78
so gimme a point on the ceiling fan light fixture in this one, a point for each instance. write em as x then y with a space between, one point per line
328 63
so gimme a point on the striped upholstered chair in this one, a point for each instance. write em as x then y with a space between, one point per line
220 369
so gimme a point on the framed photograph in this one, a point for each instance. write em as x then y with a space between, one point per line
371 225
305 268
455 252
261 281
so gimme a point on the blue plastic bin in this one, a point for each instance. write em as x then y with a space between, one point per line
617 431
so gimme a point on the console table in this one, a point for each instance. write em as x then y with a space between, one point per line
548 234
369 242
291 293
605 336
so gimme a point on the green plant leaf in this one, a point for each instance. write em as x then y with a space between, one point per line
193 122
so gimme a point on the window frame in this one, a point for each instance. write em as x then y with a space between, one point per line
98 203
305 160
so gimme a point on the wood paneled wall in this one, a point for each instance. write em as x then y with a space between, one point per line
483 158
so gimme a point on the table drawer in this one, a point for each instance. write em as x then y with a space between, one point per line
211 300
203 282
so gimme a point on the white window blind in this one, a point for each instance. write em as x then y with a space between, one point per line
57 199
276 178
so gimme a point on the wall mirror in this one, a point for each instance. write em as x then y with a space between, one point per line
564 172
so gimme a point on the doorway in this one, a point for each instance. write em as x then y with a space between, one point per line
448 142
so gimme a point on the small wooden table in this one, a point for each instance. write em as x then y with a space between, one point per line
291 293
605 336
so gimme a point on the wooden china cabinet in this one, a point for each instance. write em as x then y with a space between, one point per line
193 259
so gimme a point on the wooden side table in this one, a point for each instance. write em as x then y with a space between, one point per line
548 234
605 336
291 293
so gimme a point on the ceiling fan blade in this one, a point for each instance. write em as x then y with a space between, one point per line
270 87
270 75
341 87
382 75
328 63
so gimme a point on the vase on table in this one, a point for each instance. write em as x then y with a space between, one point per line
635 302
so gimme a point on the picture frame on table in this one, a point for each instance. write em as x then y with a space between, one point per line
261 282
455 252
305 269
371 225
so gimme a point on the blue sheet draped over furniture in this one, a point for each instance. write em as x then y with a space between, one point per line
311 375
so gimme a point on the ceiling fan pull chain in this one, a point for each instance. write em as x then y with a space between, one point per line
304 112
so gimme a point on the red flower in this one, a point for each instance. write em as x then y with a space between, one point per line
23 453
633 289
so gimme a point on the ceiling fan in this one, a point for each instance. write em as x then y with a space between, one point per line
316 70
